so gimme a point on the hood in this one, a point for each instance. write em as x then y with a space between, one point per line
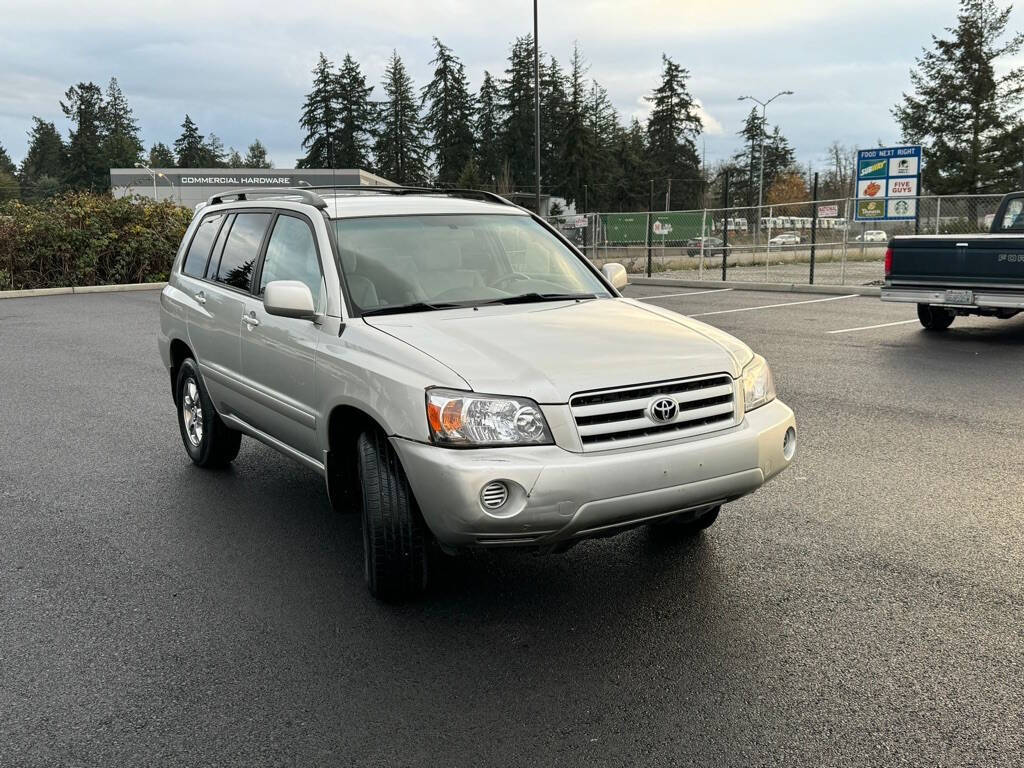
549 351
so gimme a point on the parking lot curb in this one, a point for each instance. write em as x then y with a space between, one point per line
835 290
29 292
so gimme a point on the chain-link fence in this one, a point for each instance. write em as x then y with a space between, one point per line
807 242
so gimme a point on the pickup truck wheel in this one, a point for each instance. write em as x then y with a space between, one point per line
934 318
394 534
682 526
208 441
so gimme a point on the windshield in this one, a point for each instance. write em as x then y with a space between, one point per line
439 261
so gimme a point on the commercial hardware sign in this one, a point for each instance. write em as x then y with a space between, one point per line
888 183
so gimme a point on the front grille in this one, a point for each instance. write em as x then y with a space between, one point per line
620 418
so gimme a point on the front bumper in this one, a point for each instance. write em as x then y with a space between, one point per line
556 495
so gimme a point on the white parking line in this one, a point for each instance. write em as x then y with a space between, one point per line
690 293
772 306
869 327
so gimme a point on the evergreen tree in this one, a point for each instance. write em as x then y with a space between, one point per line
671 130
122 146
86 165
46 153
449 115
400 149
214 155
256 156
234 159
470 177
320 118
517 102
6 164
356 117
487 127
553 109
779 157
190 147
961 110
747 162
579 147
161 156
630 190
603 122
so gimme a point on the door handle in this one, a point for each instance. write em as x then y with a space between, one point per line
250 320
201 297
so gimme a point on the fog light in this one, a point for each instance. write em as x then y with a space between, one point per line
789 443
494 495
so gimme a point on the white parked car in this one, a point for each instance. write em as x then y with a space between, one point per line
874 236
786 238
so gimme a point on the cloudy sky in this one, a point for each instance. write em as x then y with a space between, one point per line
240 69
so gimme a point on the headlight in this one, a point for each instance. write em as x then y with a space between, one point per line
464 419
758 384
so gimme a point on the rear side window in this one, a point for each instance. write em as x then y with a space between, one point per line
241 250
1014 216
199 251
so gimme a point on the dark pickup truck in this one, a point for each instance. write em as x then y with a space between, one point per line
950 275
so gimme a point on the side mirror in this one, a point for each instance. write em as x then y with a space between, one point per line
289 298
616 274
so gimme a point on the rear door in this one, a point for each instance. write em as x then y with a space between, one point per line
279 353
215 324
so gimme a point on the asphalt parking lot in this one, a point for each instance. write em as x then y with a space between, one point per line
865 608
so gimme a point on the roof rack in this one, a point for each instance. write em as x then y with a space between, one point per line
478 194
242 195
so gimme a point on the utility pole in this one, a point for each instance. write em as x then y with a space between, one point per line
536 102
668 195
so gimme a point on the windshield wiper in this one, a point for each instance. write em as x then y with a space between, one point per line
526 298
416 306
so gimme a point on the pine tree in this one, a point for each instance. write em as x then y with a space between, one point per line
45 155
214 155
449 115
579 147
234 159
603 121
356 117
161 156
961 110
470 177
671 130
256 156
400 150
6 164
86 166
320 118
487 127
553 109
779 157
747 161
122 146
629 191
517 101
189 147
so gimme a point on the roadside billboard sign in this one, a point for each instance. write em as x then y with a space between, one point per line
888 183
828 211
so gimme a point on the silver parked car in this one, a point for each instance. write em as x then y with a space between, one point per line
459 374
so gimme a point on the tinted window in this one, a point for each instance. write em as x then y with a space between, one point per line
199 250
241 250
291 255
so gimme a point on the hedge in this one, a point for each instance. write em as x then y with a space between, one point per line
85 238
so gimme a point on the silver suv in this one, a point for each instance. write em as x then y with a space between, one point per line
459 374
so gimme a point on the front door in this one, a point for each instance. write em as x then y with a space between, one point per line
279 353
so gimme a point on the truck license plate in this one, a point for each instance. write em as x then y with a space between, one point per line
959 297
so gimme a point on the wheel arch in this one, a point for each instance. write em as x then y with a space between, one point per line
345 423
179 351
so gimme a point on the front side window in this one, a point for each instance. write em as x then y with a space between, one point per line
291 255
1014 216
199 250
241 250
439 261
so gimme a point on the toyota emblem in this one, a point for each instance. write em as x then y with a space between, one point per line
663 409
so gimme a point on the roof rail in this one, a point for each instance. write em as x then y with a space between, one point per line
402 190
308 197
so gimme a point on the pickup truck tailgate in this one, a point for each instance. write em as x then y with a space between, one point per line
958 260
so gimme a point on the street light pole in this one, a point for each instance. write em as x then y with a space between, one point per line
760 181
537 110
151 173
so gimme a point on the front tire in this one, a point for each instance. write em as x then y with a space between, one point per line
934 318
394 534
208 441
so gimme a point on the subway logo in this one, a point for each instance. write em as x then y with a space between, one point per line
872 169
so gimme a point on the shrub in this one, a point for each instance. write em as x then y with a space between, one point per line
84 238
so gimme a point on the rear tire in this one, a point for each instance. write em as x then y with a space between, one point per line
394 534
934 318
208 441
683 526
